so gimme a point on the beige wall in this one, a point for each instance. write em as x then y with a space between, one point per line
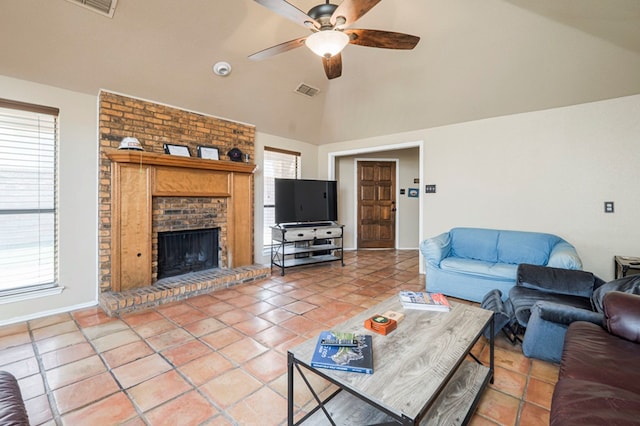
309 170
78 204
545 171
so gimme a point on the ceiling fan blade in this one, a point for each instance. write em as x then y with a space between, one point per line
279 48
351 11
383 39
289 11
333 66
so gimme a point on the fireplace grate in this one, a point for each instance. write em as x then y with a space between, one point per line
181 252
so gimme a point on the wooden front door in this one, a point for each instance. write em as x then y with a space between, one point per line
376 204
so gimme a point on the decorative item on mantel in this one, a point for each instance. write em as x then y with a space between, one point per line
208 152
173 149
235 155
131 143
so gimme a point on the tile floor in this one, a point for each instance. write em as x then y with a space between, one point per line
220 359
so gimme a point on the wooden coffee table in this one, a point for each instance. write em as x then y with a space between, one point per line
421 371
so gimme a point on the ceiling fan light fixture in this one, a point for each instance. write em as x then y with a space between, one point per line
327 43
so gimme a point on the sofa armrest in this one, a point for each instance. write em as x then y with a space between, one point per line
436 248
547 328
565 314
564 255
12 408
622 315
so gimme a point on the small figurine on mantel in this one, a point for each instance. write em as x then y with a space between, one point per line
131 143
235 154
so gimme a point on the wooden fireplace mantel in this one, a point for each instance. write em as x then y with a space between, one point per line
138 176
150 158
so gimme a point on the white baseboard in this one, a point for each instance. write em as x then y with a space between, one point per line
41 314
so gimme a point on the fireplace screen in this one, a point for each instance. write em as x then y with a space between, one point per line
180 252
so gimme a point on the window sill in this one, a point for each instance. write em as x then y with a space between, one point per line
27 295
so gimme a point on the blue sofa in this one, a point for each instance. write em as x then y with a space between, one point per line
469 262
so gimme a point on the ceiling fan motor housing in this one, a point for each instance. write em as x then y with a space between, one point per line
322 13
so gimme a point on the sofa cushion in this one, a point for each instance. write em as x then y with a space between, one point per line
474 243
556 280
630 284
525 247
590 353
478 268
582 402
622 316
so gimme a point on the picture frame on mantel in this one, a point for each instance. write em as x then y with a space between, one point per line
208 152
180 150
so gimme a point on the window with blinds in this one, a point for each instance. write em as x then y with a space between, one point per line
278 163
28 241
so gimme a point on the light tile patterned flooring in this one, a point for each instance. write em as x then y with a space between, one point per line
220 359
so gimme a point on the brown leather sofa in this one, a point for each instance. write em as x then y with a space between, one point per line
12 410
599 380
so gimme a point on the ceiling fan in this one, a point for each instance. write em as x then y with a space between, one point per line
330 33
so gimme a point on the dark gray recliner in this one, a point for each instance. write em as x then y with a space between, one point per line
547 300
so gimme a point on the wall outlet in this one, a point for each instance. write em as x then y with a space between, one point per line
608 206
429 189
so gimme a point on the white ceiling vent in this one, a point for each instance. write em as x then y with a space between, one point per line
305 89
103 7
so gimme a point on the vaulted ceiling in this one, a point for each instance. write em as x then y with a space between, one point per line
476 59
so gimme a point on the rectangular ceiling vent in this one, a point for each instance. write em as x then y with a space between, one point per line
305 89
103 7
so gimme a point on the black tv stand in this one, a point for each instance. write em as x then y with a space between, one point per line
297 244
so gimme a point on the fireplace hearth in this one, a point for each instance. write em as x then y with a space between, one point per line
181 252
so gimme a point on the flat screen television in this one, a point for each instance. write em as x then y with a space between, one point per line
306 200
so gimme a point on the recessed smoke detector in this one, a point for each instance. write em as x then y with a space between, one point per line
222 69
306 90
103 7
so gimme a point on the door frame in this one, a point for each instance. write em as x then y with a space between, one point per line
331 173
396 195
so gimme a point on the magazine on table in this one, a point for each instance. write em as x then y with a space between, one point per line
356 356
424 300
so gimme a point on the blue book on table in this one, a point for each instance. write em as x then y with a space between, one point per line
357 359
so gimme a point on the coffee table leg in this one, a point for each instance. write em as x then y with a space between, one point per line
491 343
290 388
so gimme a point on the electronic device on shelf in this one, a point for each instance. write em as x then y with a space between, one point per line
305 200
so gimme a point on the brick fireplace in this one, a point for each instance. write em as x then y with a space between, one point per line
144 193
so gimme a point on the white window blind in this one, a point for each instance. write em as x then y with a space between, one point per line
28 243
278 163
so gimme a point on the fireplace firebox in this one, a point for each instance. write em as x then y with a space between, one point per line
180 252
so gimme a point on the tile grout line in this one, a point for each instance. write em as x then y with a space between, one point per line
109 370
48 392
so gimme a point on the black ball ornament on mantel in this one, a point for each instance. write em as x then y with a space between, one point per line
235 154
